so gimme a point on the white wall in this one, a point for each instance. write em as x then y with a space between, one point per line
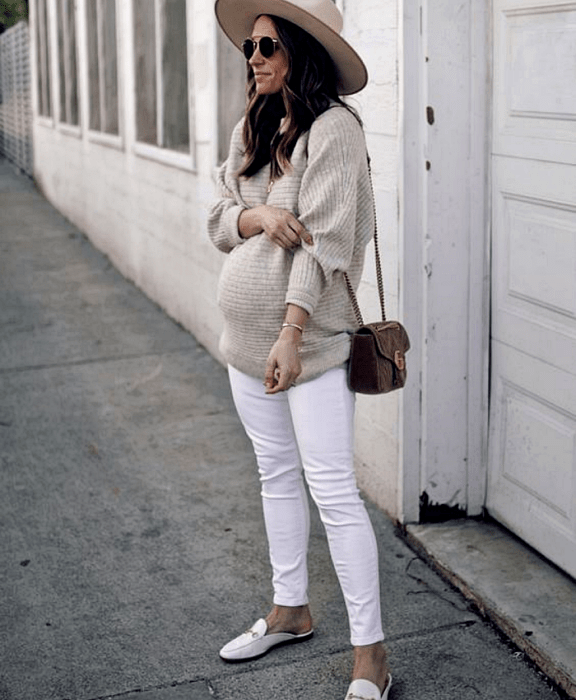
148 212
372 26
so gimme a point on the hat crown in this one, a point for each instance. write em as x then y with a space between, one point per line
320 18
324 10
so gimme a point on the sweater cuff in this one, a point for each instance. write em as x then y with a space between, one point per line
306 281
230 225
302 299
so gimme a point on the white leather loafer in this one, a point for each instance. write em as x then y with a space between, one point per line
255 642
366 690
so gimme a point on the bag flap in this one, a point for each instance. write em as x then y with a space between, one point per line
390 337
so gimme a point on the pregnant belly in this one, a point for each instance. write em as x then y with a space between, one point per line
253 284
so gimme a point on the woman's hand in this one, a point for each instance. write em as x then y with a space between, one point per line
283 366
279 225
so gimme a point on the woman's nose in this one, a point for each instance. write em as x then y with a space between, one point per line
256 58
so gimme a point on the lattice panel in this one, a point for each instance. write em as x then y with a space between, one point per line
15 101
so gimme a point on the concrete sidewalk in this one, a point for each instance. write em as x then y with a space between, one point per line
132 540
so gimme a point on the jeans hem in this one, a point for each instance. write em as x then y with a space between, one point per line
365 641
290 602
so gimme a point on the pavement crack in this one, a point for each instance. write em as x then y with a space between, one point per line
344 649
92 361
464 624
134 692
427 588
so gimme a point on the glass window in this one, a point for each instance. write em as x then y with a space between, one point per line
69 107
42 53
102 65
161 57
231 91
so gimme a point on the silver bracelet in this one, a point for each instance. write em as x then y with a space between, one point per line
293 325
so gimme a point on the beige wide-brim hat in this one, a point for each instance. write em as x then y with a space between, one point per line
320 18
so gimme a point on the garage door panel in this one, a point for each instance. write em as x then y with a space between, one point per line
531 425
551 346
532 480
541 261
534 62
532 444
543 181
534 259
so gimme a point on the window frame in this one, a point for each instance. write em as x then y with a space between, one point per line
156 152
43 78
65 126
98 136
229 63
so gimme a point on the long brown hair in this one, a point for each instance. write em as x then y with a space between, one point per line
308 91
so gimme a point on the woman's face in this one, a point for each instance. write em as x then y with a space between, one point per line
269 73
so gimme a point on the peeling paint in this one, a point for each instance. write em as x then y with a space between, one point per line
431 512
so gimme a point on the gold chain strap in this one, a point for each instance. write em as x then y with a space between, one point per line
379 278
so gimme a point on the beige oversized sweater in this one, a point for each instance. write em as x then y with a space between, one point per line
328 190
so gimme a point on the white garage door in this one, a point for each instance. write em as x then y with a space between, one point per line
532 471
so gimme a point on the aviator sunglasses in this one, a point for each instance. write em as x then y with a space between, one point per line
266 44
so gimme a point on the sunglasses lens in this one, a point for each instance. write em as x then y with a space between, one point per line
266 46
248 48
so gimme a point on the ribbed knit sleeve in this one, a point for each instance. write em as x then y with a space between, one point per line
224 214
327 205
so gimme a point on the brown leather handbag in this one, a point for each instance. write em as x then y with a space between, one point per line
377 362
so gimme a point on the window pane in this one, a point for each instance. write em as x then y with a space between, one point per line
39 53
145 57
110 65
93 64
231 91
44 95
175 76
67 61
73 69
62 59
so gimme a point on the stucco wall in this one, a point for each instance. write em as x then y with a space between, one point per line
149 216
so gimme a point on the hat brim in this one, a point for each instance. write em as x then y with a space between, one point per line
237 17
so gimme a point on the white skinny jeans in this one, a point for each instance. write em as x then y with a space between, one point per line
310 428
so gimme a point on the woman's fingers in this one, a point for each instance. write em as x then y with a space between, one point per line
285 237
302 233
282 368
283 379
284 229
270 375
277 379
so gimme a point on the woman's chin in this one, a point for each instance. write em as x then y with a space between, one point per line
264 88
